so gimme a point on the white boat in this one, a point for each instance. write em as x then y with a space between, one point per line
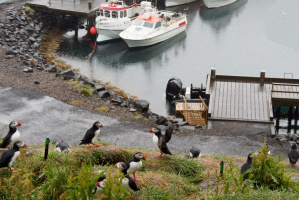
113 17
170 3
217 3
153 27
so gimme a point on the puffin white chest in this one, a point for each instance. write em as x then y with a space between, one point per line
134 167
96 134
125 183
15 137
14 157
156 141
191 155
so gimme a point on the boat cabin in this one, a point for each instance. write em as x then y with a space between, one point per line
151 22
115 9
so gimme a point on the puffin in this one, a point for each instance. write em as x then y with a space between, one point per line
62 147
100 184
10 155
246 166
127 182
12 136
161 140
293 154
92 134
134 164
195 152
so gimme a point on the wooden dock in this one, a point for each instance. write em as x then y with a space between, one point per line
72 7
251 99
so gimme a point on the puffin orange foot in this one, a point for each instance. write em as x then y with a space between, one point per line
97 144
158 155
90 145
12 170
128 197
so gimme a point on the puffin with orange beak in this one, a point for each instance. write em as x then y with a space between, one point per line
12 136
160 140
9 156
92 134
134 164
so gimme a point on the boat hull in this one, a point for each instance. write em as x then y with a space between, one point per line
107 35
157 39
218 3
170 3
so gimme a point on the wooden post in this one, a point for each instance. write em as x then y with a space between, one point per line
213 73
89 6
296 119
290 116
262 78
277 116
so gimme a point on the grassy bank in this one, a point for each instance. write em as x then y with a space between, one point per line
72 176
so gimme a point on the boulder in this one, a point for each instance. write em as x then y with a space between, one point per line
67 74
104 94
161 120
141 105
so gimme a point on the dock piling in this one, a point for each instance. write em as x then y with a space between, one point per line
262 78
213 73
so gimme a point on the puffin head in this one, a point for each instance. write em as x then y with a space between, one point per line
98 124
14 124
20 144
294 146
250 156
120 165
139 155
100 184
154 130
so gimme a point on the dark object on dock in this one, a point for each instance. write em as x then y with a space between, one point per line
221 168
173 89
47 148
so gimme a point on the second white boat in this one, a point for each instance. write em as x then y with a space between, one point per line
154 27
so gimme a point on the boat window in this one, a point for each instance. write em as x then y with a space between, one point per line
137 22
158 24
107 13
121 14
125 13
114 14
100 12
148 24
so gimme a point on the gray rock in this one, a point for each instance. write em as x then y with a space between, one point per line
161 120
51 68
98 87
141 105
132 110
183 123
187 128
67 74
117 100
28 69
104 94
124 104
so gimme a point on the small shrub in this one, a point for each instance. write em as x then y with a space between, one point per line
77 102
104 109
29 10
86 92
267 171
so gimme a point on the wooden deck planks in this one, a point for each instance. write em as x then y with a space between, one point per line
244 99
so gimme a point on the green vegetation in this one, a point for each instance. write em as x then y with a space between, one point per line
73 176
29 10
86 92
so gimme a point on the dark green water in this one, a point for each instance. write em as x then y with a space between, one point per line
240 39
